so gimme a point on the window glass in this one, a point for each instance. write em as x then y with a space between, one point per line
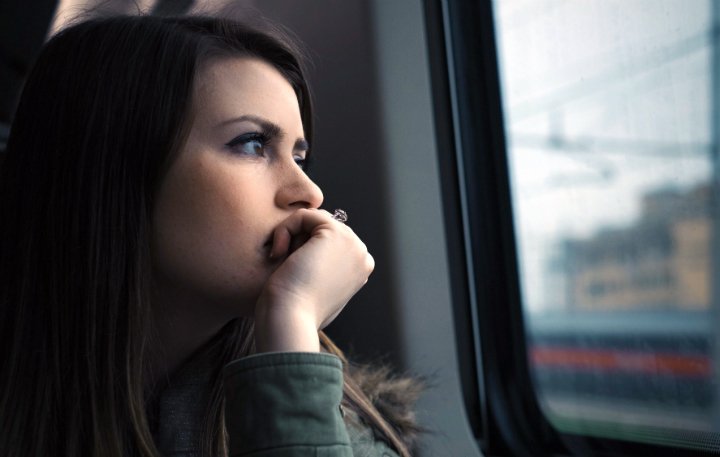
612 121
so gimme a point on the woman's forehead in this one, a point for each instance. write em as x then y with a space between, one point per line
231 87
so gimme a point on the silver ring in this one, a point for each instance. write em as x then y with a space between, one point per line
340 215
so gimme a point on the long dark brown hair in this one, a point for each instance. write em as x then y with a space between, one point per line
102 116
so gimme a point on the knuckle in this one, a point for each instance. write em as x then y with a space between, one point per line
370 262
347 230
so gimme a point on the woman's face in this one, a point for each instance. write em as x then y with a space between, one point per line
239 174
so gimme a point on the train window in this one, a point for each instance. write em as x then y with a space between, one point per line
611 123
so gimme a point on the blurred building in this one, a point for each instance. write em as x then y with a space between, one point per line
660 262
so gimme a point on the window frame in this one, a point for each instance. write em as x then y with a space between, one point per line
499 398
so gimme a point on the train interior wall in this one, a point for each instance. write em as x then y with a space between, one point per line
375 145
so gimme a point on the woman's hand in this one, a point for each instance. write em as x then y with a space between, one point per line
312 284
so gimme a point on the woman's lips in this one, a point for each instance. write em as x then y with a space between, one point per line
267 245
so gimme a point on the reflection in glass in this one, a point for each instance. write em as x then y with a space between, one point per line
610 118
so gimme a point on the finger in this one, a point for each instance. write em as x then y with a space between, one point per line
301 222
298 241
305 220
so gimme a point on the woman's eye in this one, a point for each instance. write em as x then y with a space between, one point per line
249 144
301 162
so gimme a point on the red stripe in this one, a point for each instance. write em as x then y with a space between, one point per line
616 360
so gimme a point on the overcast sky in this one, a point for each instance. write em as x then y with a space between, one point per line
605 100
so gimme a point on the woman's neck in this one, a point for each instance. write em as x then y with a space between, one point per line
180 332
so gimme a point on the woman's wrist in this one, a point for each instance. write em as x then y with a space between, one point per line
285 329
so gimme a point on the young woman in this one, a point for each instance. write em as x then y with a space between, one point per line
166 265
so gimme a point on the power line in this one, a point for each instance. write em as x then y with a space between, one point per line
593 144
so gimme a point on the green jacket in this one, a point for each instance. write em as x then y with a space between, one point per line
288 405
284 404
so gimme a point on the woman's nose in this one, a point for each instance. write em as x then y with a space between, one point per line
297 190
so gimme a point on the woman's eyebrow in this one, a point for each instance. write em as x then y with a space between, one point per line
271 128
301 144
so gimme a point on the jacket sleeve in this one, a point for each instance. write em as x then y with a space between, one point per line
285 404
